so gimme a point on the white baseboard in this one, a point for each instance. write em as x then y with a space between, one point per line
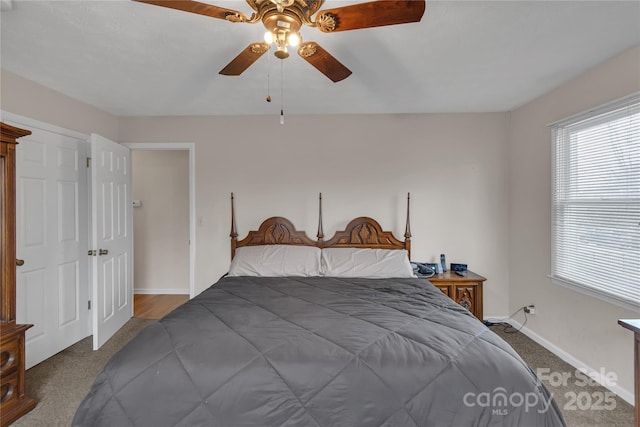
161 291
624 394
496 319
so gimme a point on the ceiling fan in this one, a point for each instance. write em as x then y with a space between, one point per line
284 18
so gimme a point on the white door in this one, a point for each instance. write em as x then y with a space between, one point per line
112 229
52 289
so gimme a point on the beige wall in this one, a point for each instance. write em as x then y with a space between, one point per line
584 327
454 165
29 99
160 180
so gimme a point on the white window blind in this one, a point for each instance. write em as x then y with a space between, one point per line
596 202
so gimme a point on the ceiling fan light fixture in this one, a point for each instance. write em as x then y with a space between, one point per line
293 39
268 37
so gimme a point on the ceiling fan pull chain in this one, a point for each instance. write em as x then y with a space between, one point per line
268 79
281 92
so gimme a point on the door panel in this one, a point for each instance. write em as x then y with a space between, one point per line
52 237
32 289
67 211
32 207
107 220
69 280
113 238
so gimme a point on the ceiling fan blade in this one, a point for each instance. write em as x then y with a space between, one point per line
315 55
371 14
244 60
200 8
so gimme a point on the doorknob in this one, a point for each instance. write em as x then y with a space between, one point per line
19 262
103 251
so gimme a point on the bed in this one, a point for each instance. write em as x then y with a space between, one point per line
331 343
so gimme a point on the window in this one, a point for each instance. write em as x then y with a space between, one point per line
596 202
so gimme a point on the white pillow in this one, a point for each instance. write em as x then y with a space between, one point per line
276 261
369 263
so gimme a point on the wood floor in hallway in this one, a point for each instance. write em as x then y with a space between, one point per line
147 306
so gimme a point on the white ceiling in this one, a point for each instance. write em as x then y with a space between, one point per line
130 58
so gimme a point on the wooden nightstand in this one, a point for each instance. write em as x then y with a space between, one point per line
466 291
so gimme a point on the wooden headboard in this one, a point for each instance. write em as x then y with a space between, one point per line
365 232
362 232
276 230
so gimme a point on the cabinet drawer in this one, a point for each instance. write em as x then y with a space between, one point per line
9 357
9 390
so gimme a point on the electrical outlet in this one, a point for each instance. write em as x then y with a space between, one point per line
530 309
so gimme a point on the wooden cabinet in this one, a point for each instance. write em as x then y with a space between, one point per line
13 402
466 291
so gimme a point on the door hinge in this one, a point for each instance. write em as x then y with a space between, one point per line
92 252
88 161
89 305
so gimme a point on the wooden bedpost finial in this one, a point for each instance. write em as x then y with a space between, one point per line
407 230
320 234
234 230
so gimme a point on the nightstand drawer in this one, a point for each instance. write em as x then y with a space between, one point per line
465 290
466 296
444 288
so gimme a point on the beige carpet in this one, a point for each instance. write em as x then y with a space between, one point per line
61 382
579 403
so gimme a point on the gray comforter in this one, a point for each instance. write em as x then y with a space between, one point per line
318 352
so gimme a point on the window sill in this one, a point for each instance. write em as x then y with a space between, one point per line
595 293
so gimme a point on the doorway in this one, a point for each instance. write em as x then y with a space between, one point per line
164 218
